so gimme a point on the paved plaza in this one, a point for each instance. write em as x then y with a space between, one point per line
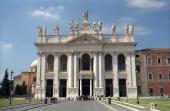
76 106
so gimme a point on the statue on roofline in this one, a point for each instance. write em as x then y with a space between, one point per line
100 25
56 30
114 29
41 30
94 26
71 25
85 15
131 29
126 29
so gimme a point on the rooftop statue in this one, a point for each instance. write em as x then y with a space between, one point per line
100 25
131 29
113 29
41 30
56 30
85 15
94 26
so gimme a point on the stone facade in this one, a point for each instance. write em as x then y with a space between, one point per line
86 62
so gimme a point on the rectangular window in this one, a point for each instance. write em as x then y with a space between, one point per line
169 76
151 91
168 60
138 68
148 60
159 59
149 76
160 76
161 91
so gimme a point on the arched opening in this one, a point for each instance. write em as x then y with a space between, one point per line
85 62
50 63
63 63
138 68
108 62
121 62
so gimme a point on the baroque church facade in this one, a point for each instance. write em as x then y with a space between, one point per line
86 62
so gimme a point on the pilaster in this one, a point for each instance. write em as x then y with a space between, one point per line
56 80
116 80
101 75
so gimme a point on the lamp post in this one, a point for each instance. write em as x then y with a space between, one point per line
110 89
41 89
37 90
127 91
11 88
137 98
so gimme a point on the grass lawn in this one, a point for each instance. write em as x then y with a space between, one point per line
6 102
163 104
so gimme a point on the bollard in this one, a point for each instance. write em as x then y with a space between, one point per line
45 100
109 100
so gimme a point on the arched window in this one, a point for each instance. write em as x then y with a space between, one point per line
121 62
50 63
108 62
85 62
63 63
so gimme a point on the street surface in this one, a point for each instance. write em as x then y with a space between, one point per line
76 106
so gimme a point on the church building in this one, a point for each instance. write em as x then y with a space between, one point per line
86 61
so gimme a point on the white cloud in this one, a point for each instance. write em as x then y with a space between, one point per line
126 20
147 4
48 13
5 46
139 30
142 31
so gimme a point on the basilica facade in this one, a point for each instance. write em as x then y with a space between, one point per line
86 61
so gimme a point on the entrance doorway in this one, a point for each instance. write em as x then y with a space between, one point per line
122 87
85 87
109 87
49 88
62 88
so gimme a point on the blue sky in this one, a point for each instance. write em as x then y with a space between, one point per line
19 19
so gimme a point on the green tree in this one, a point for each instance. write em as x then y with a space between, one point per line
24 88
6 84
17 89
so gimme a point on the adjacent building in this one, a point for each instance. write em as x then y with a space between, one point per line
153 71
27 77
86 62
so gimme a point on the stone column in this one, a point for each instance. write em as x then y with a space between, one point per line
43 80
101 75
100 70
128 70
75 70
95 66
80 86
75 74
37 93
133 68
116 80
70 71
90 86
56 80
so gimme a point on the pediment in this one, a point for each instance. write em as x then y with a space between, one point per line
85 39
